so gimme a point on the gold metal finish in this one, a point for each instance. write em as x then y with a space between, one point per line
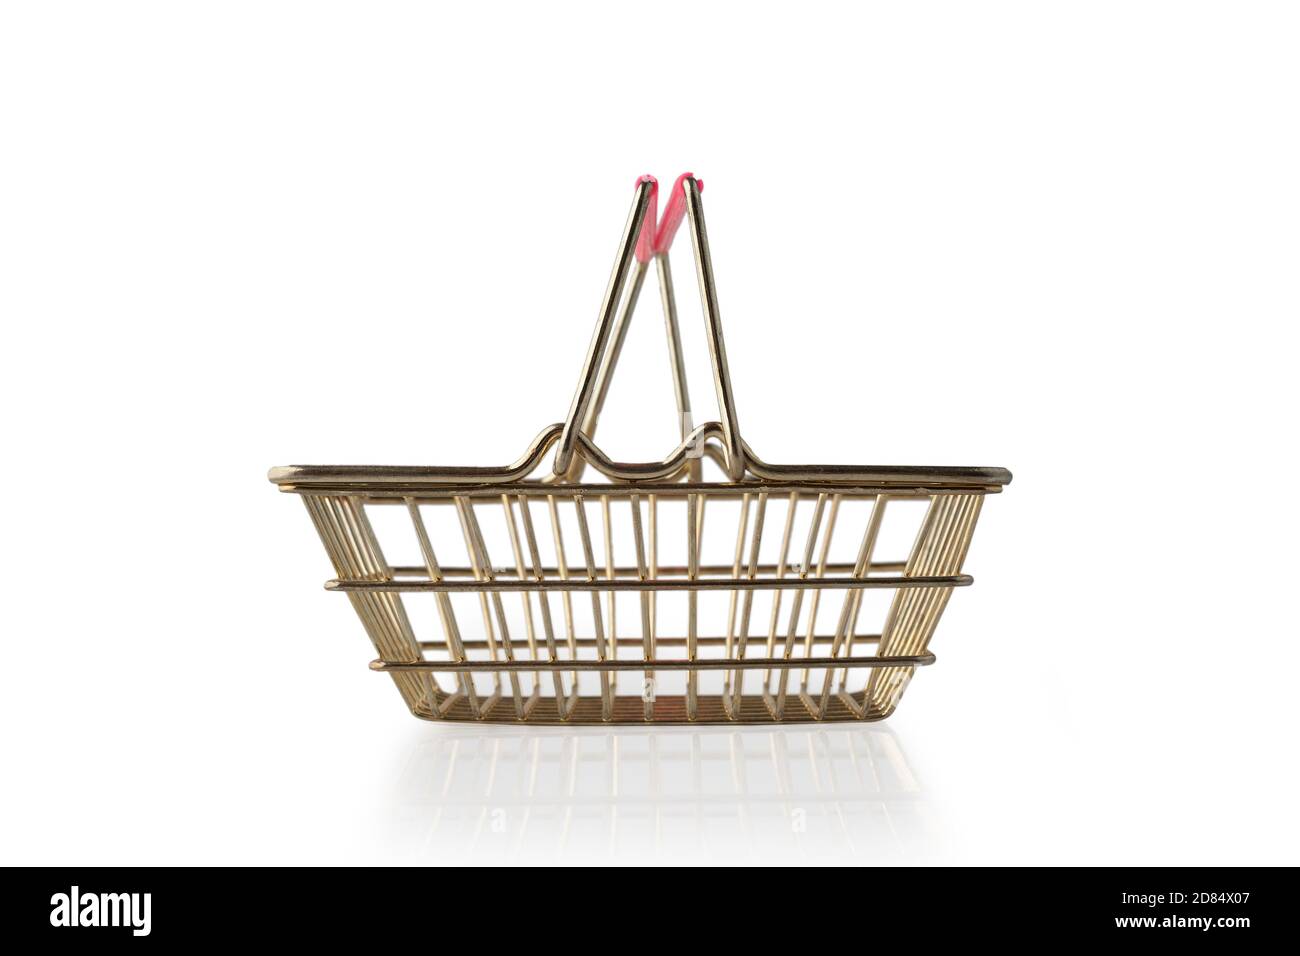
789 595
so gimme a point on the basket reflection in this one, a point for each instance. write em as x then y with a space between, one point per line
819 794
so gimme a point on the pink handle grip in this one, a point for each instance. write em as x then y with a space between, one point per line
645 243
674 212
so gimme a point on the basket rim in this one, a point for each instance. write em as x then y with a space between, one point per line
665 474
362 478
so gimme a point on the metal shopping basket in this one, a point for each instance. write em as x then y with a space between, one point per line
554 596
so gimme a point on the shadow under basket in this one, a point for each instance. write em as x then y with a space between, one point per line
709 587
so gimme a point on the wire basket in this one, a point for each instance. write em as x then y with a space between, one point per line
554 597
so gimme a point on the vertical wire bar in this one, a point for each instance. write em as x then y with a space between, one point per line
566 597
914 559
544 603
699 525
692 603
609 573
394 608
482 564
949 561
883 682
968 534
652 502
747 601
941 549
389 615
742 526
489 628
647 630
606 701
382 571
954 558
562 566
358 567
776 595
901 602
931 562
796 605
353 566
355 539
529 631
810 637
375 569
847 625
450 630
322 511
918 605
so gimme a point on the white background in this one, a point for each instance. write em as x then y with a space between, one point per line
1056 238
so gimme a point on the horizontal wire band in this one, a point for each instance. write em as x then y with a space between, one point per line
662 664
632 572
716 584
366 477
725 491
637 642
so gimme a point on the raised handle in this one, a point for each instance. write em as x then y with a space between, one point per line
735 447
642 239
646 242
646 187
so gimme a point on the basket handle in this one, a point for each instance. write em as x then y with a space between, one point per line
646 187
734 446
647 239
683 203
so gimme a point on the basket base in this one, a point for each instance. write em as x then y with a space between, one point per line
754 709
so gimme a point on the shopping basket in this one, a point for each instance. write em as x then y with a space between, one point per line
555 597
